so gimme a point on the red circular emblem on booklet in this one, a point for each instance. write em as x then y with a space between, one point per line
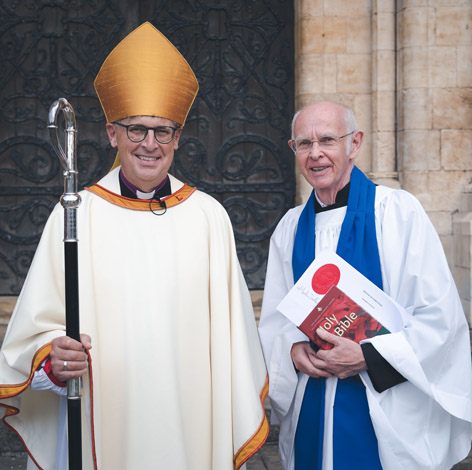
326 276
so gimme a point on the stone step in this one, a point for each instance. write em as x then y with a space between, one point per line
12 456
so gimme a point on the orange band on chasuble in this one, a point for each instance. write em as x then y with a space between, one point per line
142 204
257 440
10 390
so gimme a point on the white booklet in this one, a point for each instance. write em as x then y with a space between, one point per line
329 269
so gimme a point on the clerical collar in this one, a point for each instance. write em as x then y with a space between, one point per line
341 200
129 190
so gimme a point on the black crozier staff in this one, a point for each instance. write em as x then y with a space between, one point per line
70 201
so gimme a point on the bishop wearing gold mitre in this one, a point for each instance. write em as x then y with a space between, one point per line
171 365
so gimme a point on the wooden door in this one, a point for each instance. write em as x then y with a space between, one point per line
234 145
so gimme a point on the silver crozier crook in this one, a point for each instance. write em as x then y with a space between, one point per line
70 201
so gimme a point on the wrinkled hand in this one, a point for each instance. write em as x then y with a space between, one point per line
306 360
345 359
70 350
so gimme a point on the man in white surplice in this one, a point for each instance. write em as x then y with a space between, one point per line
416 383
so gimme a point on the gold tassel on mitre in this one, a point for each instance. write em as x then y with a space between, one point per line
145 75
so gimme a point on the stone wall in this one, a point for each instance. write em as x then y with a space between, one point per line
405 67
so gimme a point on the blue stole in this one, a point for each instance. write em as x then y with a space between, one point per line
354 442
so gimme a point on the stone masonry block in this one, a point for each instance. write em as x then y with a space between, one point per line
303 100
464 66
442 221
445 188
413 27
436 190
354 73
383 66
452 108
310 74
309 7
456 149
419 149
448 3
329 73
416 110
383 151
323 35
358 35
446 242
403 4
383 6
362 108
412 180
413 64
453 25
463 240
383 111
347 8
465 204
384 25
442 66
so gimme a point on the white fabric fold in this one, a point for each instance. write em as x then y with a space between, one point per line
424 423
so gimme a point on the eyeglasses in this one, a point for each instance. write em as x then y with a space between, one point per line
137 133
326 142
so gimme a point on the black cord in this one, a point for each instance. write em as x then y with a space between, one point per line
161 203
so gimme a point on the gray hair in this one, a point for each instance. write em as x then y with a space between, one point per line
349 122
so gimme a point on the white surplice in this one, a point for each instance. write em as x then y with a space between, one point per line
177 372
421 424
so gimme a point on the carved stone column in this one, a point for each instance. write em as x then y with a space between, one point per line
383 163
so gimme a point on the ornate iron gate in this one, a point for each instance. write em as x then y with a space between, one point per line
234 143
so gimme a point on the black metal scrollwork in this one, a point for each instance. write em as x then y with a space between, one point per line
234 142
48 49
241 52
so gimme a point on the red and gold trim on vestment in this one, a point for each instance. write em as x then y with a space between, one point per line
257 440
8 391
142 204
11 390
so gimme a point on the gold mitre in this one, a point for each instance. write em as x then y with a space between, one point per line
145 75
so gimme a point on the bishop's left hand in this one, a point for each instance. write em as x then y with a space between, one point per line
345 359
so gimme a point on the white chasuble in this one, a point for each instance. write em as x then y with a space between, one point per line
177 378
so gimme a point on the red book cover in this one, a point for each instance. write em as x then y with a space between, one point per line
340 315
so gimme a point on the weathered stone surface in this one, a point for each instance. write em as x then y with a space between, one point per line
420 150
442 66
416 112
351 77
452 108
383 111
346 8
358 34
323 35
461 18
456 149
413 26
464 66
413 67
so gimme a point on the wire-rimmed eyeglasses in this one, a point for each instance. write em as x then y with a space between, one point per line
303 145
137 132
